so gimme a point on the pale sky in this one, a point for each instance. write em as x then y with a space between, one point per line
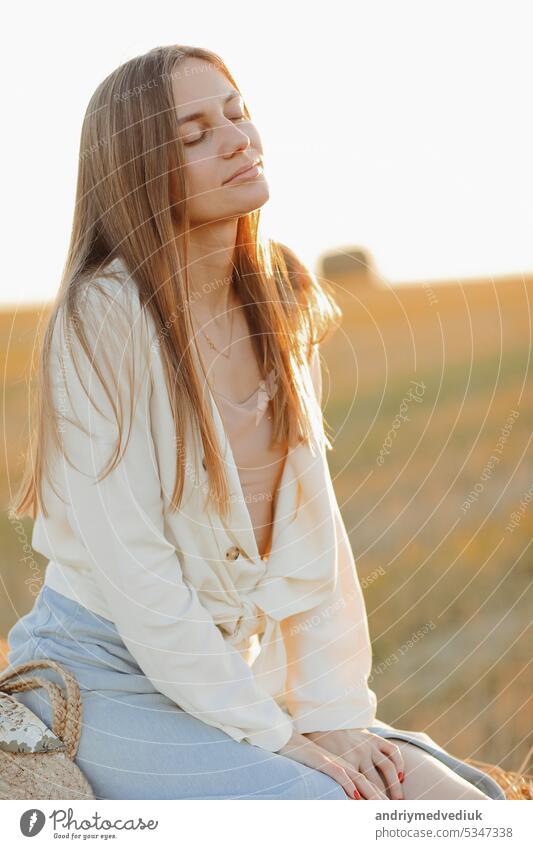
405 127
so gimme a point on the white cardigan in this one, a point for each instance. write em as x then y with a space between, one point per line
186 590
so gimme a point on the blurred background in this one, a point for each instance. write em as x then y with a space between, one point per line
397 144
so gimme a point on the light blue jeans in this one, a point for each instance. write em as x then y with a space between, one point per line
138 744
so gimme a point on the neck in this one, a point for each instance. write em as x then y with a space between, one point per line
211 253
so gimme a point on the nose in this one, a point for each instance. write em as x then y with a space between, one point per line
238 142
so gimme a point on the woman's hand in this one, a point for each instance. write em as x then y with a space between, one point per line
368 753
300 748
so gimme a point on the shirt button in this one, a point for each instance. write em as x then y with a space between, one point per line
233 553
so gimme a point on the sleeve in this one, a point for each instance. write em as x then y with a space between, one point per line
329 654
119 520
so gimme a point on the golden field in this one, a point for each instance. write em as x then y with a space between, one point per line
428 404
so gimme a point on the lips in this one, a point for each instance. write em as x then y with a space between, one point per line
244 168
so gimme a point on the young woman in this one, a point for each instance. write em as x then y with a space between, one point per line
200 582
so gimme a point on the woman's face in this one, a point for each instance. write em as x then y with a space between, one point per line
217 143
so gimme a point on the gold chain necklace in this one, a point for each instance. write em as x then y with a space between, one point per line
210 341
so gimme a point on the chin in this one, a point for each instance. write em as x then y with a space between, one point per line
250 196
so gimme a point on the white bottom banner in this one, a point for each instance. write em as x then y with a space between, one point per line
227 822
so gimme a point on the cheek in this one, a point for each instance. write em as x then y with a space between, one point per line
200 170
202 182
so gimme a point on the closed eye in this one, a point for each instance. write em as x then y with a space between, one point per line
204 132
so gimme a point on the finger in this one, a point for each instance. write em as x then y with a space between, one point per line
334 769
390 776
394 753
352 780
317 758
374 776
368 789
364 785
342 772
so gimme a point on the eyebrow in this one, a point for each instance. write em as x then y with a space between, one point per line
194 115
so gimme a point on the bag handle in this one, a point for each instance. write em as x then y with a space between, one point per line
67 713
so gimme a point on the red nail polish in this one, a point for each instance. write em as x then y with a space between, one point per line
356 795
401 776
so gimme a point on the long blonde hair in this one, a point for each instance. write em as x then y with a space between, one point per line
131 203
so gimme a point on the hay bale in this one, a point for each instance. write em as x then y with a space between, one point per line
516 785
352 264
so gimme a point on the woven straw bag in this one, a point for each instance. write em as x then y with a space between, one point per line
35 762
